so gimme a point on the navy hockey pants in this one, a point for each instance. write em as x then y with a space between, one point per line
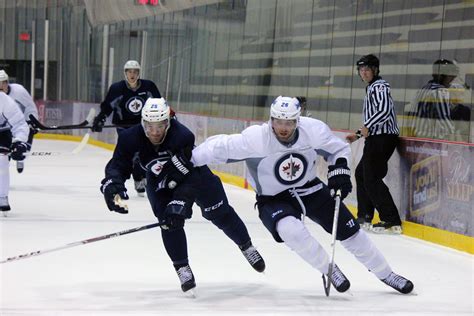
207 191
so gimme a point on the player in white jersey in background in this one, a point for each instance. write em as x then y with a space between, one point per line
281 158
24 100
13 138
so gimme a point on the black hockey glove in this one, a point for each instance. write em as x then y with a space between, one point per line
18 150
99 122
176 169
114 192
339 178
176 212
33 129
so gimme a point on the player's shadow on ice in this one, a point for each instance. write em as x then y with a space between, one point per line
222 296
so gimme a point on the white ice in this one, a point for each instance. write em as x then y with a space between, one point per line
56 201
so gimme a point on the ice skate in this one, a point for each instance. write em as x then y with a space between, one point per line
339 280
387 228
20 165
365 224
399 283
186 278
4 206
253 256
140 187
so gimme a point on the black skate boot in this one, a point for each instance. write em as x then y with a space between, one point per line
140 187
186 278
4 206
399 283
338 280
253 256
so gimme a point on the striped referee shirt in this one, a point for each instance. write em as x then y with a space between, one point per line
433 112
379 114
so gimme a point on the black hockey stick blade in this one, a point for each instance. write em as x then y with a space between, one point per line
83 125
37 124
327 282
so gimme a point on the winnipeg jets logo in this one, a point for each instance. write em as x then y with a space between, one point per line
156 166
290 168
135 105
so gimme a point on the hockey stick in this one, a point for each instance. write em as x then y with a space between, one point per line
68 127
82 144
39 153
38 125
327 283
82 242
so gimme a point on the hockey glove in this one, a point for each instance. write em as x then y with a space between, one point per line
176 212
339 178
114 194
99 122
176 169
18 150
33 129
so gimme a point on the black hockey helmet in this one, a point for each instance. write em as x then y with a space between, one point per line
302 100
445 67
368 60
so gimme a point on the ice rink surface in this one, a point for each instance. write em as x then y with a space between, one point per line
56 201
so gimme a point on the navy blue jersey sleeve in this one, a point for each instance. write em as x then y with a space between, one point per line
121 165
154 90
113 96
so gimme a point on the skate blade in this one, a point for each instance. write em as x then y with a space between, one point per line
190 293
348 292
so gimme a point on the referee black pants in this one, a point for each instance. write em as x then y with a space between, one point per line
372 193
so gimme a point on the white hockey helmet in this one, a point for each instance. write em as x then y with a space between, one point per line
156 119
155 110
131 64
285 108
3 75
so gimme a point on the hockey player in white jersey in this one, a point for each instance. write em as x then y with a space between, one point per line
281 158
26 104
13 138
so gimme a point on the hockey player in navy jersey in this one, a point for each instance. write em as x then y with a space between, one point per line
281 158
13 138
125 99
161 144
26 104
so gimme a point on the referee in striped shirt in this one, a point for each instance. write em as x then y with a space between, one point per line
380 130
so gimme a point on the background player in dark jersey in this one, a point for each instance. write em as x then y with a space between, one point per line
160 143
125 99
